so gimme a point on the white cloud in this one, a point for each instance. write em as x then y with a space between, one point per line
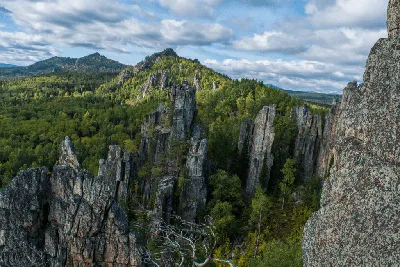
348 13
270 42
20 48
295 75
108 25
196 8
187 32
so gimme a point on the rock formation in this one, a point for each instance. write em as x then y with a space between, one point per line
308 141
194 188
358 224
161 142
246 137
155 81
196 81
215 86
261 158
183 98
68 218
393 21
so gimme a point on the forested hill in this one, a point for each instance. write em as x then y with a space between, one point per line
2 65
154 111
91 63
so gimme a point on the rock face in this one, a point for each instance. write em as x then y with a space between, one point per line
196 81
161 142
155 81
308 141
69 218
194 189
261 158
325 156
246 137
393 22
23 218
67 154
183 99
358 222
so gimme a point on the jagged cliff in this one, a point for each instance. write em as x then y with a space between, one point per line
308 141
260 146
358 222
68 217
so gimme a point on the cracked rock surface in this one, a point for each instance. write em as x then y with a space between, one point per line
68 217
358 223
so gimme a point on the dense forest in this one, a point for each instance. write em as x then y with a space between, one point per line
97 109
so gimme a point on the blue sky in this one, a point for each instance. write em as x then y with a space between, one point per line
309 45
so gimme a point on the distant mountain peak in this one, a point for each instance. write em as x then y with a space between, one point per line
97 54
149 61
90 63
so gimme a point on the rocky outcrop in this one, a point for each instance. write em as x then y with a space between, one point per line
155 135
261 158
155 81
164 80
194 186
196 81
67 154
183 99
246 137
161 143
308 141
215 86
126 75
68 218
23 218
329 138
393 15
358 222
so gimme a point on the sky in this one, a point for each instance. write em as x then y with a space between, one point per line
304 45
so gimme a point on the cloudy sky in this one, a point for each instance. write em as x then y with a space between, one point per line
310 45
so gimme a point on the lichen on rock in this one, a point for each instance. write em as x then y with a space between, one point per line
358 224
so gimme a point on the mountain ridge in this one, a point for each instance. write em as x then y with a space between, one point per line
90 63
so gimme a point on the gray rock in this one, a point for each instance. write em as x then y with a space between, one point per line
308 141
215 85
164 203
261 158
194 188
246 137
23 218
393 21
358 222
68 219
196 81
67 154
164 80
183 99
155 135
125 75
155 81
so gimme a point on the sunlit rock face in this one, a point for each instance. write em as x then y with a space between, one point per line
358 224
